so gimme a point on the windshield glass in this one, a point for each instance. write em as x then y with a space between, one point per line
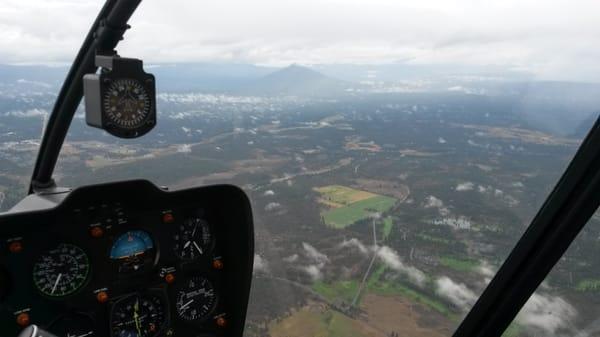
393 152
566 303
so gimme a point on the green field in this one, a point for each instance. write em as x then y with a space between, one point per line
388 223
351 205
513 330
588 285
381 287
316 324
429 238
339 290
338 195
464 265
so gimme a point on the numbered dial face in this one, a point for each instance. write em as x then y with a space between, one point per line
73 325
126 103
193 239
61 271
138 316
196 299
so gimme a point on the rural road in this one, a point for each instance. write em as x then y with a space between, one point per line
368 272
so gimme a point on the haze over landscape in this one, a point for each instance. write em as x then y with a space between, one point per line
385 196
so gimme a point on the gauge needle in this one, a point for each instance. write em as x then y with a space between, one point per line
136 317
187 244
199 249
185 306
194 231
56 283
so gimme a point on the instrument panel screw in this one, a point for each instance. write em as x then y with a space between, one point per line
96 232
15 247
102 297
170 278
218 264
221 322
23 319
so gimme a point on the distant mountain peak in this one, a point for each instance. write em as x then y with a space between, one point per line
297 70
297 80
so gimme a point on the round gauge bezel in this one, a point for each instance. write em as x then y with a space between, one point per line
207 253
157 293
147 81
183 286
72 291
116 263
59 327
108 107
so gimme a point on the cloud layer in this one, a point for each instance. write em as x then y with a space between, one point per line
554 39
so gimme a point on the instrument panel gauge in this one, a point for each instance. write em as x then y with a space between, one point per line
196 299
193 239
73 325
61 271
121 98
127 103
138 315
133 251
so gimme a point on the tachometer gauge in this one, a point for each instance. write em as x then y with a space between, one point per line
138 315
193 239
196 299
127 103
61 271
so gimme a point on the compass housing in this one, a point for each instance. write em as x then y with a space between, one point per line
121 98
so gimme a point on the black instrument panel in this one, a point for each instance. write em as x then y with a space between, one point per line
129 260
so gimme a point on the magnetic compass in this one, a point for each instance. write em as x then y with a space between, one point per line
120 99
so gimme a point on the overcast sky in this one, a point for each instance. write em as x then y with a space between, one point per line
553 39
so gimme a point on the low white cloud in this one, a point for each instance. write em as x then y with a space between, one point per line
355 243
486 269
260 264
457 293
184 148
314 271
466 186
313 254
269 193
272 206
434 202
292 258
547 313
35 83
26 113
442 140
391 259
498 193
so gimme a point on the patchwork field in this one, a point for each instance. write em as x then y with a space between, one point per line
348 205
316 321
381 316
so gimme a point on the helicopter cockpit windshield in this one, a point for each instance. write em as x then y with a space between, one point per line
299 169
